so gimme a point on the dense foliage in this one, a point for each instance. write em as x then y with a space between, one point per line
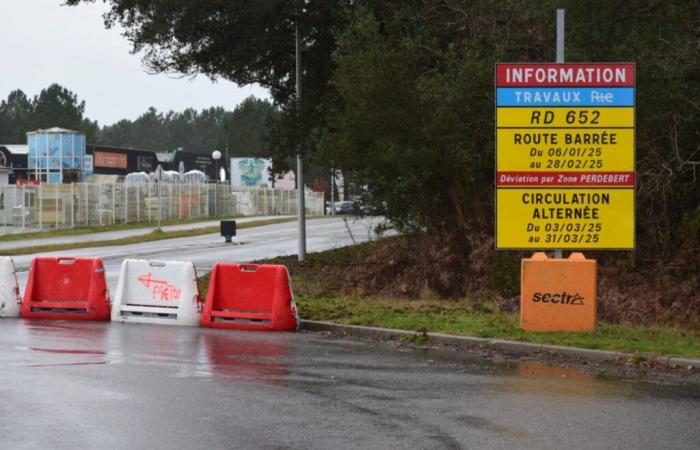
55 106
416 116
241 132
244 131
245 41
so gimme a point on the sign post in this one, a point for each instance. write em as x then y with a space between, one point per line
561 37
301 192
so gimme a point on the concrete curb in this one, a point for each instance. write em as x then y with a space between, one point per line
515 347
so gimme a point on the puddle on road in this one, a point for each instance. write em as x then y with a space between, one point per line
244 359
98 363
316 358
55 343
536 378
48 328
537 370
528 376
483 424
68 351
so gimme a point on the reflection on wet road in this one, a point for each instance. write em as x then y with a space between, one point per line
101 385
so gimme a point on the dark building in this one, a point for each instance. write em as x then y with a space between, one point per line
193 161
14 157
108 160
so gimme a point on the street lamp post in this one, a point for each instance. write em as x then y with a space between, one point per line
301 213
216 156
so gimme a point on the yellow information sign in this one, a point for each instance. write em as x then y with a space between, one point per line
556 150
565 218
565 117
565 156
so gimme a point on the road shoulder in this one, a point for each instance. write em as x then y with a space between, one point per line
665 367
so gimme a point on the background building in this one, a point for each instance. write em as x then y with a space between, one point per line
56 155
13 162
107 160
183 161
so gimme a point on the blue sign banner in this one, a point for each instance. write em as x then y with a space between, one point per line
567 96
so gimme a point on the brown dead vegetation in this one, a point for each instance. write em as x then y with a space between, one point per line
421 266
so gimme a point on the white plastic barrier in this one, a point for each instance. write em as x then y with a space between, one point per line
9 290
161 292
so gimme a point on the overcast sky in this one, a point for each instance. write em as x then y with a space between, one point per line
43 42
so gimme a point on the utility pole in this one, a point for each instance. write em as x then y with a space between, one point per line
560 35
560 60
301 212
332 189
159 179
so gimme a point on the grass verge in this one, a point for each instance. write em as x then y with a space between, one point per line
463 318
155 235
102 228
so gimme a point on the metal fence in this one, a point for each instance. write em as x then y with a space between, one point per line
53 206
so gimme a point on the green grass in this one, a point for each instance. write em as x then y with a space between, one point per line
461 318
102 228
155 235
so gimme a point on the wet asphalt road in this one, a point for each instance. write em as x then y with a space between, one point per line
120 234
72 385
251 244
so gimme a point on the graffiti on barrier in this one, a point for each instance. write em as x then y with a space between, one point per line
160 289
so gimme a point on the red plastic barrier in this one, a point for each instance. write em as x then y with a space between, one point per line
250 297
66 288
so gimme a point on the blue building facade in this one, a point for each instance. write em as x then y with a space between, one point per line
56 155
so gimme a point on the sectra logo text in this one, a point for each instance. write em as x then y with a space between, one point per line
564 298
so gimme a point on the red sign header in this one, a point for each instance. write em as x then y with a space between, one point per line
610 75
565 179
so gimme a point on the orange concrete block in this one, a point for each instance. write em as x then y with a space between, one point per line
558 294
